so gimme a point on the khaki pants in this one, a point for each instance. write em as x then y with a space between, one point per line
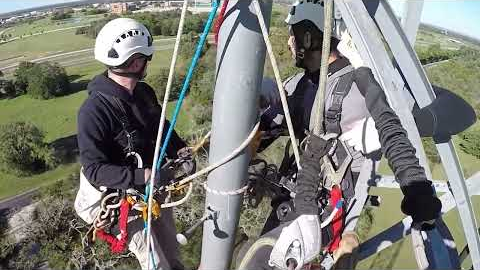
165 253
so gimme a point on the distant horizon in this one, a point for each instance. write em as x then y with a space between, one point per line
462 13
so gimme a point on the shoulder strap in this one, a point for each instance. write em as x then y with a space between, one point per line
334 113
116 105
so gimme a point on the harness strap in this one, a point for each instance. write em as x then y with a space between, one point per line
334 113
116 106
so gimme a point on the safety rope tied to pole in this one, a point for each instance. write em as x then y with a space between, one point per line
117 245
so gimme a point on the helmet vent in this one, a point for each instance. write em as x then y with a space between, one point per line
112 53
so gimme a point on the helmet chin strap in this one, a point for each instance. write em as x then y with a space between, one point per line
140 75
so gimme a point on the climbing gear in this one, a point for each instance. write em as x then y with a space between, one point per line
319 98
308 177
120 39
117 245
87 201
301 241
115 105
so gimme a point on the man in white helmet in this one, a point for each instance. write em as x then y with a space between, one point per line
117 129
352 99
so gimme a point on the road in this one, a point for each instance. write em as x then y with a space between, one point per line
18 201
83 56
43 33
435 63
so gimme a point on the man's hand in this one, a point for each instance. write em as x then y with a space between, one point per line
269 93
298 244
421 204
162 177
188 164
363 136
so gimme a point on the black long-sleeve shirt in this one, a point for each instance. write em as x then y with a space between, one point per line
102 139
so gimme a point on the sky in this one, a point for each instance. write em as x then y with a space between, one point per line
459 15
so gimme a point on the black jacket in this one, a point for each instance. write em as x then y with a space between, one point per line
102 140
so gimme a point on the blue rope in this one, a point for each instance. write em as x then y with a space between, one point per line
181 97
186 82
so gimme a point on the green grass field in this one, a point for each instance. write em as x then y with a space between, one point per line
44 45
46 24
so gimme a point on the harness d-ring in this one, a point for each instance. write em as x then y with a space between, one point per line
138 157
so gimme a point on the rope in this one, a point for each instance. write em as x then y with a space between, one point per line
225 193
117 245
149 191
220 19
181 97
264 241
327 35
210 168
278 79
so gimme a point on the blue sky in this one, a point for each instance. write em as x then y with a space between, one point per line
458 15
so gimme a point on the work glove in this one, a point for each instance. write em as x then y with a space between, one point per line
347 48
363 136
298 244
269 93
188 165
308 178
421 204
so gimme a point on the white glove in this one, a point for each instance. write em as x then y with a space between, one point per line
347 48
363 136
299 242
269 93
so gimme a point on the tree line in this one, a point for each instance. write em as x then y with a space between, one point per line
158 23
39 80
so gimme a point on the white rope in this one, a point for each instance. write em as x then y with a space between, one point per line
278 79
322 84
162 124
225 193
181 201
226 159
210 168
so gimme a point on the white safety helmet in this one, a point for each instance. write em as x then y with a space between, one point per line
311 10
121 38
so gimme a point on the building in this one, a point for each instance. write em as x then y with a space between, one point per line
118 8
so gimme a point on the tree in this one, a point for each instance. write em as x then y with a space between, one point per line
21 77
159 80
47 80
23 150
7 87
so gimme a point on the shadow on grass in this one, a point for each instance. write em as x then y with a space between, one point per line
66 149
76 85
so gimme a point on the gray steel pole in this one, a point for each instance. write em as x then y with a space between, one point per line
240 63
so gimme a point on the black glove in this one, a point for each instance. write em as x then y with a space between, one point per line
187 163
421 204
164 176
308 177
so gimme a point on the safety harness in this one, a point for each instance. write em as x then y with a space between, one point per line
333 175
